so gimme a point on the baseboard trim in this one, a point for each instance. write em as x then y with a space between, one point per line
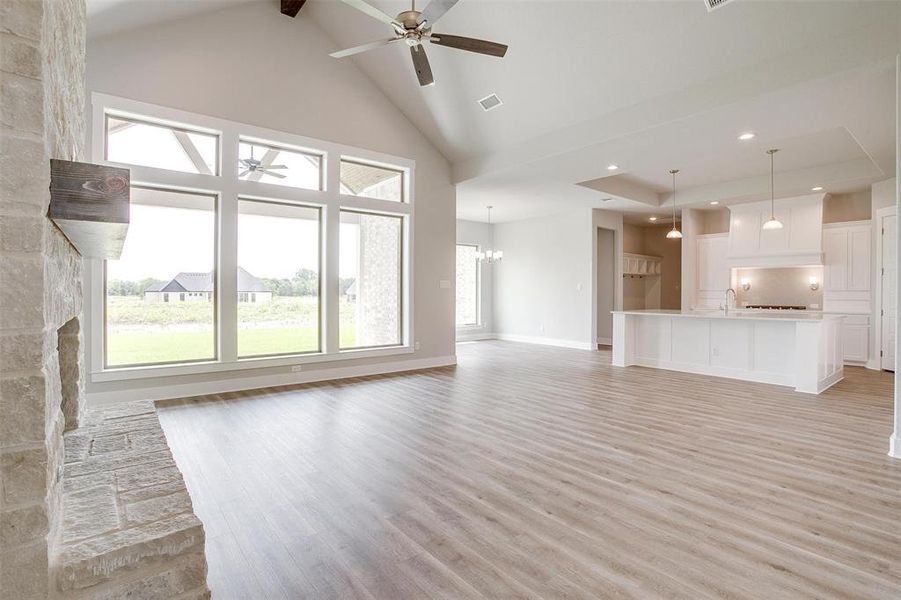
605 341
186 390
894 446
475 336
543 341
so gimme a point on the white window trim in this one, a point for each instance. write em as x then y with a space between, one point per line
228 187
479 324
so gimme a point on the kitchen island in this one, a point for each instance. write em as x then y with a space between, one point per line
797 349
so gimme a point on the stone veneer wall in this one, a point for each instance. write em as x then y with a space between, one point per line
42 53
379 281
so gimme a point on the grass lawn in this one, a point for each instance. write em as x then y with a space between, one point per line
142 333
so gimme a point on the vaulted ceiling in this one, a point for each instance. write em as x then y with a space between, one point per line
647 86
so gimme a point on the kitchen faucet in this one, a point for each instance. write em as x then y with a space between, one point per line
726 300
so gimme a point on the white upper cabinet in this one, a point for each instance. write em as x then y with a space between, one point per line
713 272
798 242
847 257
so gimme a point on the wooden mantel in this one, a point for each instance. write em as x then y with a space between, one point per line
90 204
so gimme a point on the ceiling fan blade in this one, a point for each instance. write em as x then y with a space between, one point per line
421 64
373 12
271 173
243 173
434 11
469 44
276 166
292 7
363 48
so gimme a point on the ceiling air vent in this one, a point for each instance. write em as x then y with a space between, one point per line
489 102
711 4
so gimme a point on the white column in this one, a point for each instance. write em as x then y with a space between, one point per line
330 248
623 346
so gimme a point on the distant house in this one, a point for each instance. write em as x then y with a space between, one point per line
351 292
198 287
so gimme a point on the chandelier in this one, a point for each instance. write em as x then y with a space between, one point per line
489 256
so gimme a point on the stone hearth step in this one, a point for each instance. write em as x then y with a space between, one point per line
129 529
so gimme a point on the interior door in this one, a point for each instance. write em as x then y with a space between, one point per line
889 299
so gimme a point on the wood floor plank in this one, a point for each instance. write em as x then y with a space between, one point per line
539 472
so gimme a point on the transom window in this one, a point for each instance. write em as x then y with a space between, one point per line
133 141
371 181
281 166
255 261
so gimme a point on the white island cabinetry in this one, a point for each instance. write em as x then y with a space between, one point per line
803 351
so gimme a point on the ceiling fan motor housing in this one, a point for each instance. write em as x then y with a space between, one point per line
409 19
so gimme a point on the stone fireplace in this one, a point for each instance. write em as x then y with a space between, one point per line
91 502
42 117
69 352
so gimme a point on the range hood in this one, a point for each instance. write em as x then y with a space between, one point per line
798 244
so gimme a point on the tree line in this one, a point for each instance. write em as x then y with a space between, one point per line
305 282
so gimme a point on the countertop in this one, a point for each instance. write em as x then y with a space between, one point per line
739 314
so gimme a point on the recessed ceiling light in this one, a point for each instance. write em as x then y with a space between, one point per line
612 167
748 135
652 218
818 188
715 202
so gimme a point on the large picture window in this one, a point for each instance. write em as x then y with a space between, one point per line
467 285
278 279
161 293
246 248
370 280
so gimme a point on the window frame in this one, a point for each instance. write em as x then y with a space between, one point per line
385 167
215 299
243 139
153 122
478 324
400 283
229 189
321 261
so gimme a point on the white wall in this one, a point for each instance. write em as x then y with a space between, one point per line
482 235
612 221
605 286
882 195
543 287
692 226
253 65
895 440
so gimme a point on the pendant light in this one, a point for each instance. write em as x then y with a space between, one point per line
772 223
489 256
674 233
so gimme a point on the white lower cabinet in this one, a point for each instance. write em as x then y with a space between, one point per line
856 338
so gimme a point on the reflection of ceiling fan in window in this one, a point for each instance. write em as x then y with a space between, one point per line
253 165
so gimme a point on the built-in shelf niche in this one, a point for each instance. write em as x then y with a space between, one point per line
640 265
641 281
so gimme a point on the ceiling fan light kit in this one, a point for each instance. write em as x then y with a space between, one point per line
415 28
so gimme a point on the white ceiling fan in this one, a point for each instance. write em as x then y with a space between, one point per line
253 165
414 28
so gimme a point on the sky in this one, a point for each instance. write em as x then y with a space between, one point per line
162 241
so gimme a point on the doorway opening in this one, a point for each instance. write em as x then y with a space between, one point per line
606 287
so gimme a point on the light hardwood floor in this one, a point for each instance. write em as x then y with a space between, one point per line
539 472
